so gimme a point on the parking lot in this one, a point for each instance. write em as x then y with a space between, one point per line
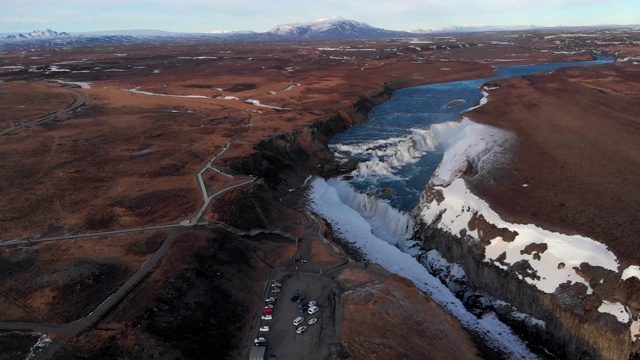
282 340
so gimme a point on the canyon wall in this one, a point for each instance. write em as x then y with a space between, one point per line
570 322
285 160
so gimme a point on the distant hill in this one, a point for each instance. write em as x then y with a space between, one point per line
473 28
334 28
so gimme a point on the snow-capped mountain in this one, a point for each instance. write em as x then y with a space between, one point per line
333 28
37 34
45 33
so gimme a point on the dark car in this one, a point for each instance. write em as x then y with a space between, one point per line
303 308
300 299
295 297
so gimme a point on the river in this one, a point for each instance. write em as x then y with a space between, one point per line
399 148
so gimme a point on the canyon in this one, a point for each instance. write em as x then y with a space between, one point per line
128 159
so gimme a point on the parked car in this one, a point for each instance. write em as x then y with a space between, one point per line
260 341
312 303
264 328
312 321
313 309
267 311
276 282
287 276
269 306
297 321
303 308
301 329
300 299
267 317
275 290
295 297
271 299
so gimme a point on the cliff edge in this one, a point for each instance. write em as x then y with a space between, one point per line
557 275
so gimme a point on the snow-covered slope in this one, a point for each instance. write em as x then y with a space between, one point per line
544 259
37 34
333 28
45 33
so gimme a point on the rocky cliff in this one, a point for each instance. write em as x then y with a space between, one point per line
567 295
285 160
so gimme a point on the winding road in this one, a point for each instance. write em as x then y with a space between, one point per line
80 100
60 333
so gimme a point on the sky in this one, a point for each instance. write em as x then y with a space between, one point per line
262 15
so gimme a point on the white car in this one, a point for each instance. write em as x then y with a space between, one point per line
264 328
275 290
297 321
267 317
312 310
312 321
312 303
271 299
260 341
301 329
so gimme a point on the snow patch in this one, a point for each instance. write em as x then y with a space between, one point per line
616 309
70 62
135 90
325 200
470 143
257 103
83 85
631 271
547 273
480 145
433 261
54 68
291 87
197 57
481 102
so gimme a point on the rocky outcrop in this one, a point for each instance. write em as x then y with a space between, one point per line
571 323
286 160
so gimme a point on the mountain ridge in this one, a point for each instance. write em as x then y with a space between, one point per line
335 28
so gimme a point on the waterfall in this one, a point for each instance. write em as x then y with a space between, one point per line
387 223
